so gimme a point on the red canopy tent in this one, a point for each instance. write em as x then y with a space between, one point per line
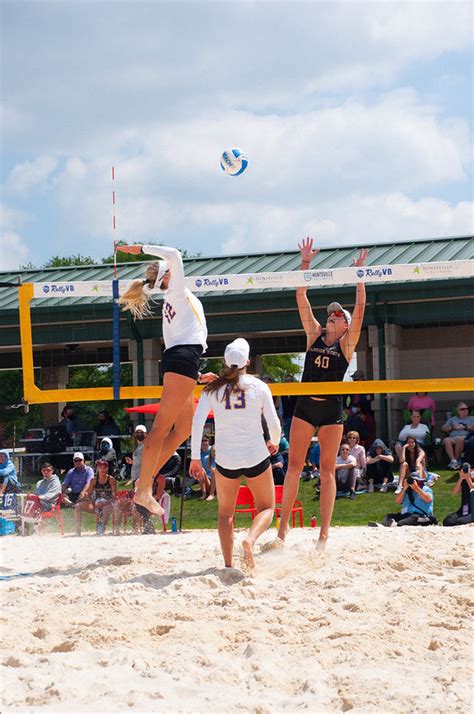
155 407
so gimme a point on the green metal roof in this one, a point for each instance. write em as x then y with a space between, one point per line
433 250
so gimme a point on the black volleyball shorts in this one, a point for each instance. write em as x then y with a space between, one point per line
182 359
325 412
245 472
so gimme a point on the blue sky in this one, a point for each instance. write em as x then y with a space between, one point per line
356 117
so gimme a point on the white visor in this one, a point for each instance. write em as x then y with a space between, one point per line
162 269
337 307
237 353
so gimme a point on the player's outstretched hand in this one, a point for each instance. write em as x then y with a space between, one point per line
307 251
362 257
132 249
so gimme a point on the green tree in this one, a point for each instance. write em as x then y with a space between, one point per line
277 366
14 422
58 261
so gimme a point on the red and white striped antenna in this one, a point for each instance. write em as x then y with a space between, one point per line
114 225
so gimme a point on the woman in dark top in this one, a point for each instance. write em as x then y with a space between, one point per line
464 484
413 459
329 351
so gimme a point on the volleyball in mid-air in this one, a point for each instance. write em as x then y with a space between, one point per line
234 162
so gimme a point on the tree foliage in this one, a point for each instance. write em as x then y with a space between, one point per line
59 261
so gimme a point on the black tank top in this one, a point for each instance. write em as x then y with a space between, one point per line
324 363
103 490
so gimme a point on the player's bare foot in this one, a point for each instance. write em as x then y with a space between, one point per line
210 498
248 563
148 502
321 544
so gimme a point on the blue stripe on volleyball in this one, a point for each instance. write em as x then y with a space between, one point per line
116 338
245 163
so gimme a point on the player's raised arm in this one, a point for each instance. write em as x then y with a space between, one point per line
310 325
351 338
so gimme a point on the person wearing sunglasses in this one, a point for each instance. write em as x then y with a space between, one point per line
77 480
329 350
458 429
345 471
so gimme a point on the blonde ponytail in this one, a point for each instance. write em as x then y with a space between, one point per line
136 299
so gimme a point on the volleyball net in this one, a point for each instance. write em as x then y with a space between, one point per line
409 344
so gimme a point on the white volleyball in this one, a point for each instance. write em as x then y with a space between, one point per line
234 162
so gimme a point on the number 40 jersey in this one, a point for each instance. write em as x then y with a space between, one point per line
324 363
238 418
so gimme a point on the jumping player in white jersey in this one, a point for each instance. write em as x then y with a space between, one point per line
238 401
185 335
329 351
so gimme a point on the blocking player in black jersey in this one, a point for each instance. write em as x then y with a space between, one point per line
329 351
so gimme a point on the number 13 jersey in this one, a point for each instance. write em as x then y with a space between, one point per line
238 418
324 363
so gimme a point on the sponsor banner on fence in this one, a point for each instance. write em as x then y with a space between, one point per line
410 272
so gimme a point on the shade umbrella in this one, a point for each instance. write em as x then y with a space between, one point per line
153 409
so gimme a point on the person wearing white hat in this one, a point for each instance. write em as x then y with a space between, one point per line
329 350
185 335
238 401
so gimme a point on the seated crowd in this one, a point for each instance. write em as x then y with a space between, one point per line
364 465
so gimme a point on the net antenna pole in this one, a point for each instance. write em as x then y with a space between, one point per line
116 307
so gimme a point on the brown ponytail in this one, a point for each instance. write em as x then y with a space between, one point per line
228 377
135 298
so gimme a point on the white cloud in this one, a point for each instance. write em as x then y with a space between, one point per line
14 251
386 218
30 175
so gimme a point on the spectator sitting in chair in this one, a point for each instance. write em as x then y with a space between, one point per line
421 401
48 489
100 497
464 485
458 428
413 459
417 505
278 468
379 466
419 431
358 452
8 479
77 480
208 463
345 468
356 422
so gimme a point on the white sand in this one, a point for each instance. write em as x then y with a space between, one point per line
378 623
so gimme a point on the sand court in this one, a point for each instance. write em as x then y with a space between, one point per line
154 623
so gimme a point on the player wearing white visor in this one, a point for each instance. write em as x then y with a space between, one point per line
238 401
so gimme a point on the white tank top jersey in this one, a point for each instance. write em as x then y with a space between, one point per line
184 322
238 418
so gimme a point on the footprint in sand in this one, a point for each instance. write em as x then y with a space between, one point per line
40 633
230 576
64 647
